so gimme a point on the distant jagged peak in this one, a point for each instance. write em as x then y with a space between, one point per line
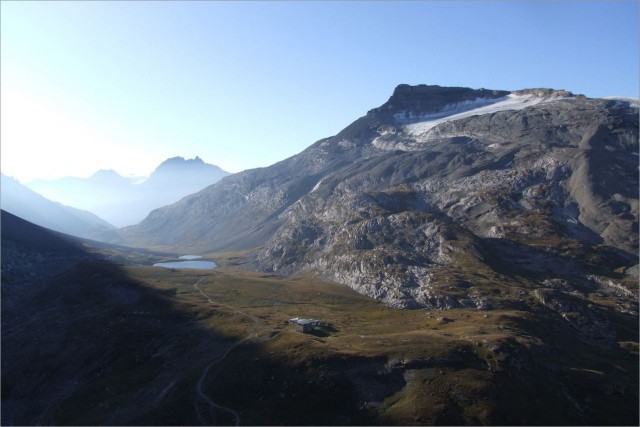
106 174
181 165
179 160
173 160
196 160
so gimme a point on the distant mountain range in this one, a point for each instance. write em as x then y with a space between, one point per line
25 203
124 201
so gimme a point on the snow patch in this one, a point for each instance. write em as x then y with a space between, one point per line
465 109
407 117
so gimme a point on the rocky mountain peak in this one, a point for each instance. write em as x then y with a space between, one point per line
413 102
179 162
425 99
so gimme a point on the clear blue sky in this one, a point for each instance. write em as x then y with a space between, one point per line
125 85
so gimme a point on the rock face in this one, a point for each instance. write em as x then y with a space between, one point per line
440 198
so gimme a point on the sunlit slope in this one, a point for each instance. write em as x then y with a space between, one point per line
434 186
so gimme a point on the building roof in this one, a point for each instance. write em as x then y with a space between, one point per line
300 321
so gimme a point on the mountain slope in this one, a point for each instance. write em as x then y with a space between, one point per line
407 203
21 201
122 201
78 331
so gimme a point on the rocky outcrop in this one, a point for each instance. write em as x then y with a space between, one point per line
529 176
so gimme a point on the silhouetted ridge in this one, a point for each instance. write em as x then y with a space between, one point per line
21 232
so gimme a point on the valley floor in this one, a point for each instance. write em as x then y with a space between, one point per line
138 345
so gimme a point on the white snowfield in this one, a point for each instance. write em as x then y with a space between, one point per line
413 130
464 109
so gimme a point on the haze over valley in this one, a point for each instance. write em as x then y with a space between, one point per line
126 201
27 204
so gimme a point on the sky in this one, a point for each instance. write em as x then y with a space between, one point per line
89 85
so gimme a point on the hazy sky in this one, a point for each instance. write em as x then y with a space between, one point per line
125 85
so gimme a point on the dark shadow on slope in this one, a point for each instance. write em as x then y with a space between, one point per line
573 380
332 389
84 343
92 345
514 259
322 331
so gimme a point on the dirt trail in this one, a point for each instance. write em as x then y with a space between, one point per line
212 405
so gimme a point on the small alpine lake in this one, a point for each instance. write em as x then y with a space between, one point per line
189 262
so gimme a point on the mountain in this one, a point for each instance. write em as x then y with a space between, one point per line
21 201
172 180
102 193
125 201
439 190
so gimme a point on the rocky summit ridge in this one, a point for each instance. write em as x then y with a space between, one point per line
442 198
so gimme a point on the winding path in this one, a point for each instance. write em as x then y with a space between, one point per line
213 406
